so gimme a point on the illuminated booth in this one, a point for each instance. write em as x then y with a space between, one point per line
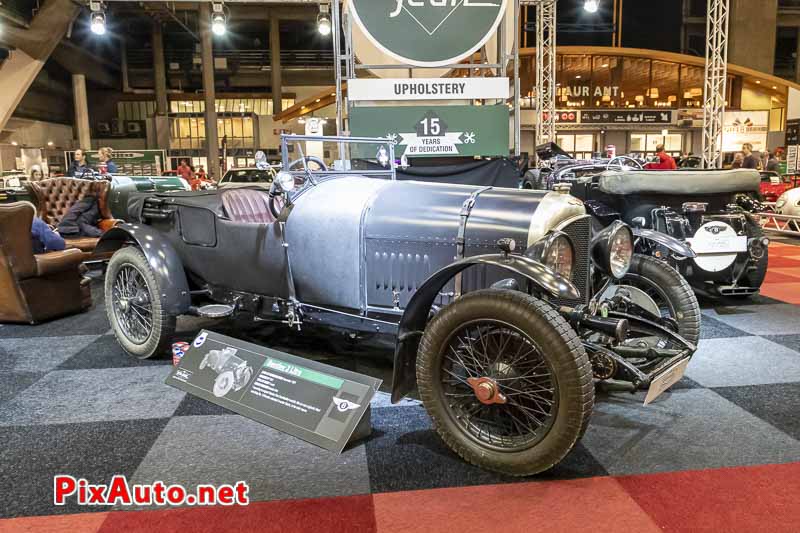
634 99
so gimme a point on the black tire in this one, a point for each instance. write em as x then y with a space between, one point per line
557 346
650 273
755 278
162 326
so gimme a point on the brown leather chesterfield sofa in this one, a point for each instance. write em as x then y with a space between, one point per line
54 197
34 288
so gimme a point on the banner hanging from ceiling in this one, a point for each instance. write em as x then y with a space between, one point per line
428 33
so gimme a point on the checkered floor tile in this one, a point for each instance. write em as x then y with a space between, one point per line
71 401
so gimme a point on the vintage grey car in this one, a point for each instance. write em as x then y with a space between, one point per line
503 306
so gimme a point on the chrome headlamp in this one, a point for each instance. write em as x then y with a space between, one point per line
285 181
556 252
612 250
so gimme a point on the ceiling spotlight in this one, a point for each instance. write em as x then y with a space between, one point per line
14 143
218 21
324 20
97 20
591 6
50 143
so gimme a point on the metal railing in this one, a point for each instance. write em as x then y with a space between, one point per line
781 224
237 59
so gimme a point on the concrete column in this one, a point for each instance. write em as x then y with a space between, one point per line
207 57
81 111
275 64
159 69
753 32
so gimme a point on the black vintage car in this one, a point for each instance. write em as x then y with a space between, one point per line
708 210
503 304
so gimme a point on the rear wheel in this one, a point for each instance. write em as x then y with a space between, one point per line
506 381
133 306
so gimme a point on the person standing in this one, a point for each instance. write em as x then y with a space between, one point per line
771 163
750 160
185 171
106 163
79 167
665 161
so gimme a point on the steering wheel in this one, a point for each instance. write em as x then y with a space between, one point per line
277 201
636 164
309 159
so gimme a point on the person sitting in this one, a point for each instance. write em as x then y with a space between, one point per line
738 160
81 219
665 161
44 238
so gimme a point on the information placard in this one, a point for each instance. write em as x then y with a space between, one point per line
315 402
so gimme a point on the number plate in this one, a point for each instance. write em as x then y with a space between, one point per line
666 380
719 244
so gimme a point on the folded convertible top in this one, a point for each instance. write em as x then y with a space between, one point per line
679 181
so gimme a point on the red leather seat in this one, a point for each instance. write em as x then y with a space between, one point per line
248 206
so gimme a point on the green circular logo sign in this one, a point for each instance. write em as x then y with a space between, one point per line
428 33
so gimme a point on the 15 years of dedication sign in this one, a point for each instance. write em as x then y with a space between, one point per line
318 403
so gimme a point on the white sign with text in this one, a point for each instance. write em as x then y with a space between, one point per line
428 89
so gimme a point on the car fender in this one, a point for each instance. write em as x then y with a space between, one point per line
415 317
676 246
164 261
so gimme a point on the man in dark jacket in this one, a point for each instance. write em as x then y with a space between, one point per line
81 219
44 239
79 166
750 160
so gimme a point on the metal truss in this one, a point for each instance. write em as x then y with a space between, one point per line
716 81
545 69
781 224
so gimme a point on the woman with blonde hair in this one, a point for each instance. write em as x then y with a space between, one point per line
105 154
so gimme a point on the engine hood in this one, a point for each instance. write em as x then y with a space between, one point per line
351 236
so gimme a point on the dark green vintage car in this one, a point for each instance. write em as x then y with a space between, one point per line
123 186
14 189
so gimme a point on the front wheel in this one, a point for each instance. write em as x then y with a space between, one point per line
669 291
133 306
506 381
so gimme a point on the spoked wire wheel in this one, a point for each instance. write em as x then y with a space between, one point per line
505 381
498 386
131 303
135 311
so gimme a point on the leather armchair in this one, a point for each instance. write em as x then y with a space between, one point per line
54 197
36 287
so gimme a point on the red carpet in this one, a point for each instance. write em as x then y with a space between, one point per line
744 499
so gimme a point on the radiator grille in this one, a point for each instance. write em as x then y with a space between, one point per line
580 231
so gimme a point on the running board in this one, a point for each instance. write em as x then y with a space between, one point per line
212 311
